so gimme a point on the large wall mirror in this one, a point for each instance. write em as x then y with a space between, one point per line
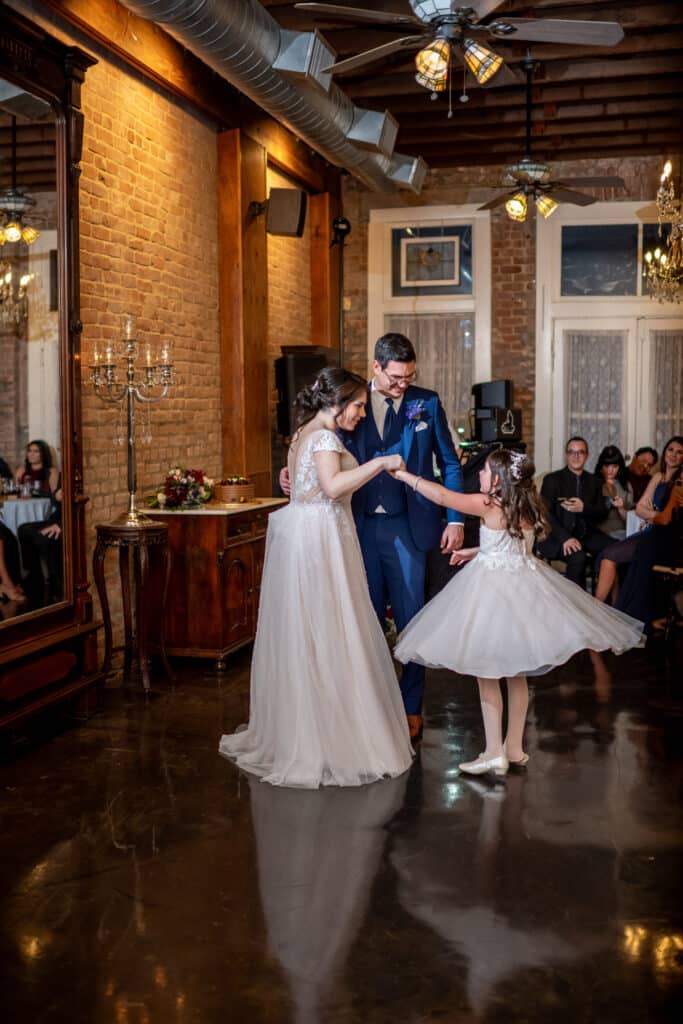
31 442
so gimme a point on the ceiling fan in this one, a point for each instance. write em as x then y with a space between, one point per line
530 178
444 27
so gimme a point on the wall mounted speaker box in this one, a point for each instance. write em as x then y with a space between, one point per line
286 213
501 425
294 369
493 393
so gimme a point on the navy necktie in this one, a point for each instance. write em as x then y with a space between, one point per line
389 420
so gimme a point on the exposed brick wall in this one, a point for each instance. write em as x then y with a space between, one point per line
289 303
513 313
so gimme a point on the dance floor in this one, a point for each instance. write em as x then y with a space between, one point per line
146 881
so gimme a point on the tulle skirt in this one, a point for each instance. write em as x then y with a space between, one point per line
494 623
325 708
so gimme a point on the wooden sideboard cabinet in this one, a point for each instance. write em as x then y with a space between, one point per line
216 564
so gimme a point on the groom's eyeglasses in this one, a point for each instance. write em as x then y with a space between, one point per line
398 381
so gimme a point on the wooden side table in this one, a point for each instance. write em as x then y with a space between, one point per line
141 539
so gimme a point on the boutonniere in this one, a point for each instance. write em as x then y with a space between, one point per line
414 410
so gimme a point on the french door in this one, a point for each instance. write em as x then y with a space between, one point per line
615 381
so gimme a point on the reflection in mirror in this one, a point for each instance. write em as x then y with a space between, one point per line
31 550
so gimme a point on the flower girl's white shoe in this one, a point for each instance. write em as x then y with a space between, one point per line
481 765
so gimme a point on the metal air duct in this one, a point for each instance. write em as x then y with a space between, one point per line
280 71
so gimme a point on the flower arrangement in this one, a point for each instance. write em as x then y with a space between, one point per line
414 410
183 488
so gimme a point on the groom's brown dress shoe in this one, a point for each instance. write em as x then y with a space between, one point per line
415 726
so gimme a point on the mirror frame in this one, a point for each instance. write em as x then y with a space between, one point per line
53 71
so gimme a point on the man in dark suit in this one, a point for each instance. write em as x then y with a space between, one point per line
574 504
41 553
396 527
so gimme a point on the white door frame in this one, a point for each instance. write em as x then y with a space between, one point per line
381 301
594 311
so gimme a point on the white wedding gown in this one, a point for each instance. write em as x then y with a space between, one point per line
325 708
507 613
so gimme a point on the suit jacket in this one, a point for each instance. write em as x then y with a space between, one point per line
424 435
562 484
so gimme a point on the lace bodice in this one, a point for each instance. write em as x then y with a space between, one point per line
498 549
306 489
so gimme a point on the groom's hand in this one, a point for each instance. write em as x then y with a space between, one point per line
452 538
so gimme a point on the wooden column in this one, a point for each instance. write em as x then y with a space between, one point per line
325 298
243 282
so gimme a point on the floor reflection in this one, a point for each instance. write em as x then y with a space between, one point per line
318 854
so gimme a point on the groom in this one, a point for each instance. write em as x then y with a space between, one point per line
396 527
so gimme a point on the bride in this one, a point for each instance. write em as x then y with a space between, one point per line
325 704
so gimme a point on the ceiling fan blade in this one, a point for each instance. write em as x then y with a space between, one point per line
335 11
377 53
498 201
565 195
503 76
606 181
584 33
482 8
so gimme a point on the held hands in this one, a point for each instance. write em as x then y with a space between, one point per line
463 555
574 505
393 464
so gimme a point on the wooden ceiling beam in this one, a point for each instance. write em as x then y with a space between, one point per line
512 133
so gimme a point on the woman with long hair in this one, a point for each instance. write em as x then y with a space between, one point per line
325 707
611 470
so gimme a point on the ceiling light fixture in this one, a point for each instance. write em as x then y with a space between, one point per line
516 207
663 267
482 62
432 65
545 205
14 203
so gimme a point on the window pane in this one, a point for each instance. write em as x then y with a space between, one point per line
595 380
444 344
600 259
667 384
431 260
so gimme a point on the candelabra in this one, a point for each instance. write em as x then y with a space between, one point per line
154 379
663 266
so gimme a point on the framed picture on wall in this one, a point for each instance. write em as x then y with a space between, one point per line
431 260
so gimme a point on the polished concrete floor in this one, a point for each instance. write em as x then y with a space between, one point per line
145 881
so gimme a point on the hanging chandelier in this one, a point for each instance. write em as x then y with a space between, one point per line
663 266
13 296
14 204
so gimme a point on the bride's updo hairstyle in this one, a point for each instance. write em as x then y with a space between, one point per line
515 492
334 386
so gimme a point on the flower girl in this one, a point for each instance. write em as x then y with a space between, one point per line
507 614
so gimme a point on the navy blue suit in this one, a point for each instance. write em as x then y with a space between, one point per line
395 543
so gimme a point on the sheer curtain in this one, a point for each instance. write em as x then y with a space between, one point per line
667 384
444 343
595 387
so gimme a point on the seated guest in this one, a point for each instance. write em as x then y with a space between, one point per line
38 469
5 471
41 545
640 469
616 490
663 496
575 506
9 567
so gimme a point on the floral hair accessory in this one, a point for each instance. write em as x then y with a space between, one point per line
414 410
517 460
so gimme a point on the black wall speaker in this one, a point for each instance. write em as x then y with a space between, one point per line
294 369
286 213
499 425
493 393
